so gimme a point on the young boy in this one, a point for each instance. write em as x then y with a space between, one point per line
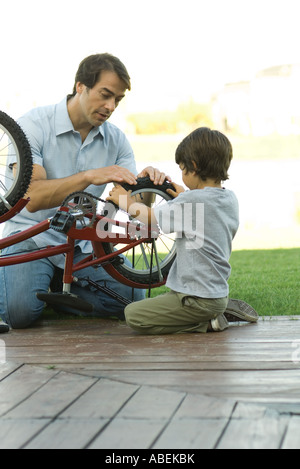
198 278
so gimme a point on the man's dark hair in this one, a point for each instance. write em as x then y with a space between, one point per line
207 152
89 70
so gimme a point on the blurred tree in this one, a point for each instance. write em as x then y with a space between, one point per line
187 116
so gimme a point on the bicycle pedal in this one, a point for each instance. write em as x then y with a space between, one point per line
62 221
66 299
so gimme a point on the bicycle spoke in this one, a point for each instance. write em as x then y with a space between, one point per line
144 256
160 276
150 261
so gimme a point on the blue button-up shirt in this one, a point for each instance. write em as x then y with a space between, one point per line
57 147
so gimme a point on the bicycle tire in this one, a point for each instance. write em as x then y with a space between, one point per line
13 142
150 276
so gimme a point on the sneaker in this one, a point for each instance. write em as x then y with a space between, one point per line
3 327
238 310
219 324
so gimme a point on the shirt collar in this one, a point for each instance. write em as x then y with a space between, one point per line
63 123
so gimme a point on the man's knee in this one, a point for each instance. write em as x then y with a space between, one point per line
20 314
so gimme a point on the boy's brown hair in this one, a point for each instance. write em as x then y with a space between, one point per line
206 152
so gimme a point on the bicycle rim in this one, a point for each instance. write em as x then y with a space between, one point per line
15 163
148 264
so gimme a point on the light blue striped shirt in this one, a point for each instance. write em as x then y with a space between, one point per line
57 147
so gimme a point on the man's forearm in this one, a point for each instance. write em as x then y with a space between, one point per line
50 193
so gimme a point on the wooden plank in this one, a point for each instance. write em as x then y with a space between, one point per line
52 397
144 417
15 433
103 400
81 331
292 437
102 352
108 380
249 411
21 384
141 419
252 433
99 368
128 433
7 368
197 406
278 385
112 345
191 433
67 434
152 402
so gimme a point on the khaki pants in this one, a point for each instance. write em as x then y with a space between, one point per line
173 313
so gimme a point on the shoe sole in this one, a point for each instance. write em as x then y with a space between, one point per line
4 328
241 310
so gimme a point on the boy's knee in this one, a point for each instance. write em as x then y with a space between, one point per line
132 319
128 312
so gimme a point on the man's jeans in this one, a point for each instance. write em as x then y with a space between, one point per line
19 306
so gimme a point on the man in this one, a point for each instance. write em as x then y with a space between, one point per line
74 148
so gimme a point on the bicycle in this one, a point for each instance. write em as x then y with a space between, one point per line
150 253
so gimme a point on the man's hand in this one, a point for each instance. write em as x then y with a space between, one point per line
155 175
114 173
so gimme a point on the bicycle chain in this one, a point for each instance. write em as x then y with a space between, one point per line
73 195
126 187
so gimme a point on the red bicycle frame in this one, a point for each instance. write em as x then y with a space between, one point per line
97 238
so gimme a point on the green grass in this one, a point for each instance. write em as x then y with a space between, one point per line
269 280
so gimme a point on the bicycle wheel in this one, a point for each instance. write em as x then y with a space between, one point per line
147 264
14 148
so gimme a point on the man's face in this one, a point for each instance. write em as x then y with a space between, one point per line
98 103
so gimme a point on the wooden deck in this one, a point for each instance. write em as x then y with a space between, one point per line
81 383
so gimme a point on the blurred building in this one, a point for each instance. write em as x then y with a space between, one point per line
268 103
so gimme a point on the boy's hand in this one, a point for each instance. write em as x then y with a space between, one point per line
120 197
155 175
178 190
